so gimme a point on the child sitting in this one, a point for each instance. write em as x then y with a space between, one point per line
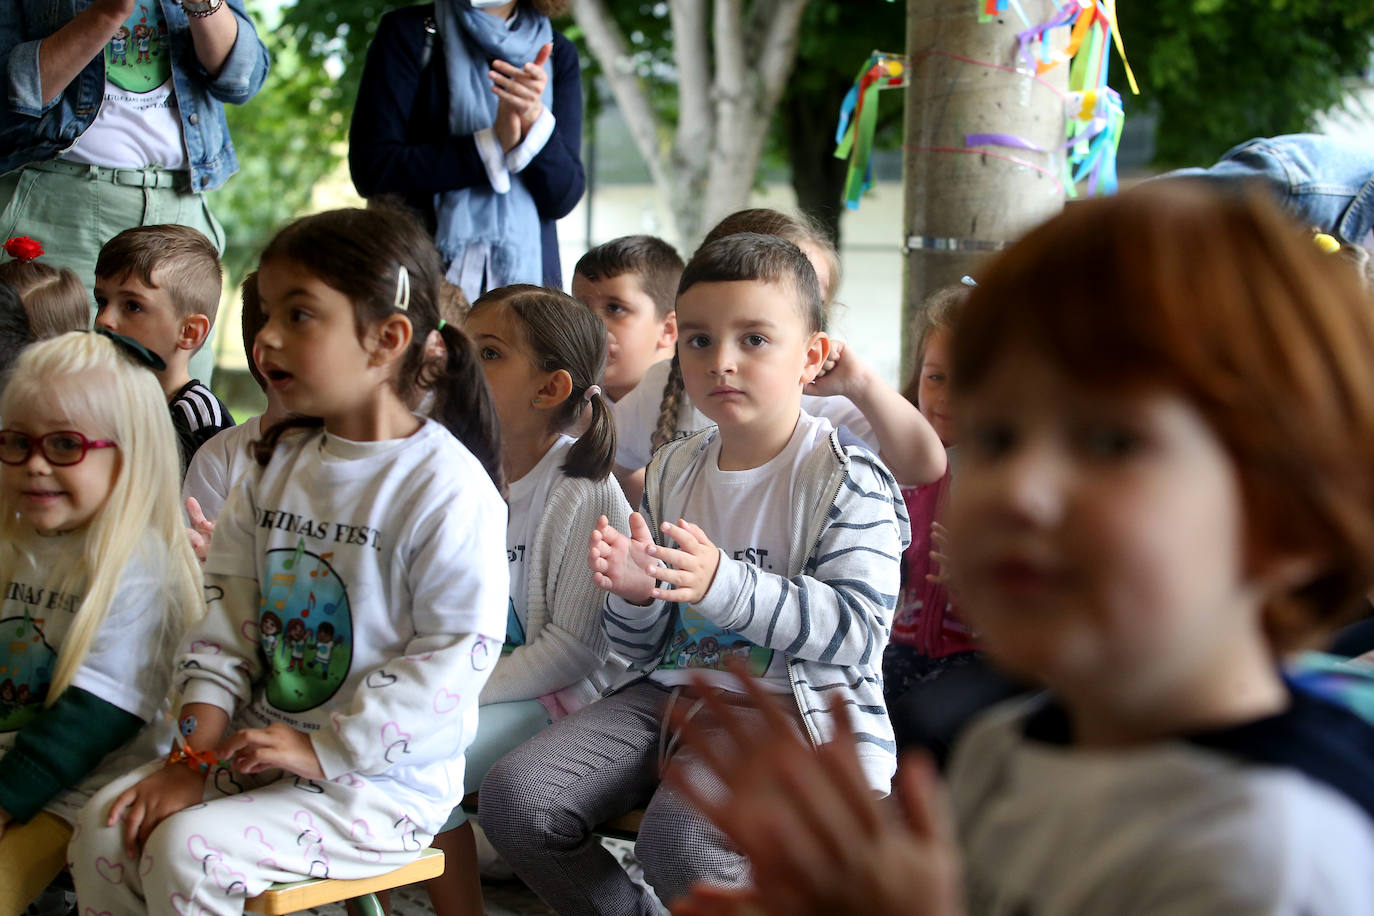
53 297
630 283
365 538
160 285
542 354
99 583
1166 413
802 586
847 392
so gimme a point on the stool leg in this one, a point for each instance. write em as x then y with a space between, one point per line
367 905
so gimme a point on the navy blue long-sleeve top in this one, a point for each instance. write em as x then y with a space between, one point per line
399 142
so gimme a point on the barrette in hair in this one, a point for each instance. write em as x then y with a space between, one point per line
402 302
591 392
442 324
968 281
22 248
135 350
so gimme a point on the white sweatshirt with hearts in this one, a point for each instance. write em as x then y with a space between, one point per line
357 593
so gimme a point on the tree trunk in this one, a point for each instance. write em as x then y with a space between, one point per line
962 204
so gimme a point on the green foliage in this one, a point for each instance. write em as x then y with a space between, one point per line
1217 73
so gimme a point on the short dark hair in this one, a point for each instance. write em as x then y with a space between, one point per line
760 258
654 261
253 320
187 264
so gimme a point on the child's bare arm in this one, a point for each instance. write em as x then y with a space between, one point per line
907 443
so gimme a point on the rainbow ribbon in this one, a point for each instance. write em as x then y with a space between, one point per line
859 120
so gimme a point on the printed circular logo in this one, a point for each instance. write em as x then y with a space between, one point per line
26 673
138 57
305 629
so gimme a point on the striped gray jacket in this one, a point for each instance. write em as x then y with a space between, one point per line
832 613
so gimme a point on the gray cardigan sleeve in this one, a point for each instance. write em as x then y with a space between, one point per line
566 642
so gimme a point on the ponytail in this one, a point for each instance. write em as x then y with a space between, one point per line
669 408
463 402
593 454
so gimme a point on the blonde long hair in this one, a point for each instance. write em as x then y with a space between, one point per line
107 396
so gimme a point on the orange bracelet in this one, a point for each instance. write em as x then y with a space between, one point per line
200 761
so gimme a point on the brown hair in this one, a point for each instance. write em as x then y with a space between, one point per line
185 261
361 253
53 297
1223 300
453 303
937 313
253 320
799 229
656 263
732 257
561 334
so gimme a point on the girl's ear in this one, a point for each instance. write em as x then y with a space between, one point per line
556 389
817 349
389 339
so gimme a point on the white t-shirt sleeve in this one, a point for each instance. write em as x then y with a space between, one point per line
129 664
841 411
636 415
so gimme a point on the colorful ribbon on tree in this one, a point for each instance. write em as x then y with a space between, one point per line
859 120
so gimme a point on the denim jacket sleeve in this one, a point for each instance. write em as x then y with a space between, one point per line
1320 180
23 85
244 70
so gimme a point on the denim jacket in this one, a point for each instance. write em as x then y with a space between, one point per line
1321 181
33 132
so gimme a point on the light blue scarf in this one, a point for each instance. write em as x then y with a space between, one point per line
477 227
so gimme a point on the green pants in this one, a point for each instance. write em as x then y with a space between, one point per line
73 210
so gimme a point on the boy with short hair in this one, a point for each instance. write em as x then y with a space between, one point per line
160 285
630 283
782 539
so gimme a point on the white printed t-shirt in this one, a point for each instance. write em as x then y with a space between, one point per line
636 415
218 463
527 498
747 514
139 122
127 665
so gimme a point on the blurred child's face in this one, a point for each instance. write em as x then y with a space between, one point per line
932 396
638 337
54 498
746 353
508 365
820 266
308 350
129 307
1099 537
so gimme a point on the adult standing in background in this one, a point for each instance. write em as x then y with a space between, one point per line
471 111
113 117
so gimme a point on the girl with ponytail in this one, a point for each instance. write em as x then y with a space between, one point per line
544 355
357 598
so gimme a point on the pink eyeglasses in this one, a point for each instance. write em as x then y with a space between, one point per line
62 448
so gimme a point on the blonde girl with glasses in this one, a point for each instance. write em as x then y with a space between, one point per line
99 582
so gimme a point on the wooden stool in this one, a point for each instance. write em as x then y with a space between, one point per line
280 899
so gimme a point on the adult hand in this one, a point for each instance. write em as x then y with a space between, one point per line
277 746
818 839
621 565
522 88
692 566
156 798
507 127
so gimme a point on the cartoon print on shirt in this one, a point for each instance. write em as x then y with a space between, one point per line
146 30
699 643
306 602
27 662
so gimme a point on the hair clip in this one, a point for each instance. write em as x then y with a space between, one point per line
402 302
442 324
132 348
968 281
591 392
23 249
